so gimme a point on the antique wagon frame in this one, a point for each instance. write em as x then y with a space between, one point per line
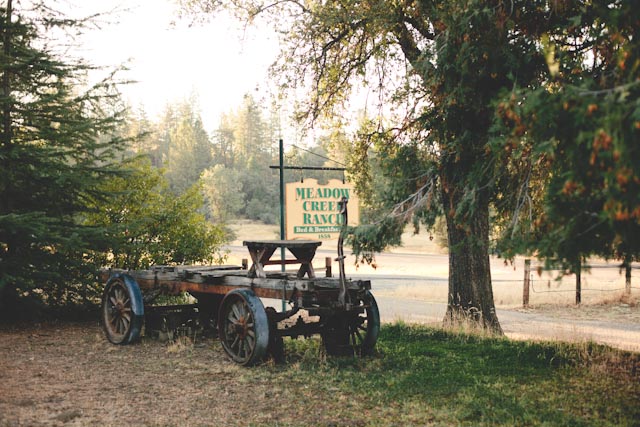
343 312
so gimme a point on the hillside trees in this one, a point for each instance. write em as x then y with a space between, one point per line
220 185
240 182
189 150
55 149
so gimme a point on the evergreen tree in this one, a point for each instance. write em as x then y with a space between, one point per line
250 133
224 143
222 188
189 151
54 151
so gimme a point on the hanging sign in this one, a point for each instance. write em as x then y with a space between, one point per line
312 210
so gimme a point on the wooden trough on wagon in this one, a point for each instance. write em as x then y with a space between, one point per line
343 312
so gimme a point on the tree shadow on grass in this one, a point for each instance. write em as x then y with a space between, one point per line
448 377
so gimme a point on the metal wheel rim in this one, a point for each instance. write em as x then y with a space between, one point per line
372 328
117 310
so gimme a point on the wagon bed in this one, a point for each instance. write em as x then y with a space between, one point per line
343 312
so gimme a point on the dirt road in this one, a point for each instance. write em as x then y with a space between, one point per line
623 334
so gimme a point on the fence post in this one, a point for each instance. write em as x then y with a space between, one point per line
525 287
627 277
579 284
327 263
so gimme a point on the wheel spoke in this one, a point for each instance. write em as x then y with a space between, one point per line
235 342
232 317
241 351
236 311
251 343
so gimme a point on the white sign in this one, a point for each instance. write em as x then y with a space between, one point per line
313 212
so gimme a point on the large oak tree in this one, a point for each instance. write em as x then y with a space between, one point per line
438 69
578 134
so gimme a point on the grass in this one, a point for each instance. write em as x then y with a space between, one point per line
426 376
58 374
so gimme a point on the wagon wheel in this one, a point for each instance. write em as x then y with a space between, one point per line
122 310
355 332
243 327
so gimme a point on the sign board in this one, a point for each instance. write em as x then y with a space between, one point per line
312 210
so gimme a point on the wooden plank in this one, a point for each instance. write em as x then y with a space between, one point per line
223 281
280 262
282 243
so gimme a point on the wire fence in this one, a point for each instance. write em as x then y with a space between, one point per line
591 283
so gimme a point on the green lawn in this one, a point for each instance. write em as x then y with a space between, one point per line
424 376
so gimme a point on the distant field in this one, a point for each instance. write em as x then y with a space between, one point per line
600 285
247 229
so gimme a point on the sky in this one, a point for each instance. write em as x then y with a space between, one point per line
218 62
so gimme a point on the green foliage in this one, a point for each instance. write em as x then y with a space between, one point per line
189 150
241 183
223 192
367 240
55 149
149 225
578 135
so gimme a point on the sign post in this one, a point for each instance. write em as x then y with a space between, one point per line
282 230
321 217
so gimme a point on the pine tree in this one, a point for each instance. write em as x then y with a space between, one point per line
54 150
189 151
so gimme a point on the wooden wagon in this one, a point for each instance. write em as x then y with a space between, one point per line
343 312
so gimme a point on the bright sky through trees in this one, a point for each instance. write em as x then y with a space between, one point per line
218 62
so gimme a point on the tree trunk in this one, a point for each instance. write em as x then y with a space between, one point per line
7 133
470 299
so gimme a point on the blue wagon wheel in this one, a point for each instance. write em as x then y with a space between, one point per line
243 327
122 309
